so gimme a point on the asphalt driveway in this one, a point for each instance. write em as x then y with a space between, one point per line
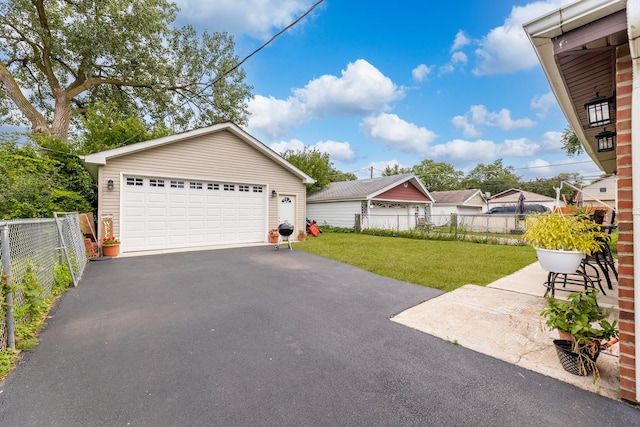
251 336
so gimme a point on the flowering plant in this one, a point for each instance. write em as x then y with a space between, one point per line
273 232
109 241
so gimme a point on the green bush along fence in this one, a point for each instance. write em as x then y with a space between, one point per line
31 251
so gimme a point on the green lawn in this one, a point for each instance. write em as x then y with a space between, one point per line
445 265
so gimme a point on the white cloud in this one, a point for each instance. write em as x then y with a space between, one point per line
459 58
272 115
478 115
282 146
397 134
337 150
459 149
446 69
460 41
506 48
544 103
362 89
522 147
257 18
482 150
552 141
421 72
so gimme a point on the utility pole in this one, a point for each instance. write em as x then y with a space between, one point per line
371 169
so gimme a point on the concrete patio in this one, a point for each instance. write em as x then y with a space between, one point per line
503 320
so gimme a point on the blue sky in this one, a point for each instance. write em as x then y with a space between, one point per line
379 83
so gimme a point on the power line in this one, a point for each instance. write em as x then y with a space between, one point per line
300 18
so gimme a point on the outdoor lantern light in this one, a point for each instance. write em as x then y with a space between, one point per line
274 193
599 111
606 140
110 185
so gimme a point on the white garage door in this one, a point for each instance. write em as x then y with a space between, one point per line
395 216
160 213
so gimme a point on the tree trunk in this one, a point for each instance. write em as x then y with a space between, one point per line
61 116
38 122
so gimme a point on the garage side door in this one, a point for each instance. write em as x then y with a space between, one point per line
162 213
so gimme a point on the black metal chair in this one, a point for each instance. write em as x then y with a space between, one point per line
604 257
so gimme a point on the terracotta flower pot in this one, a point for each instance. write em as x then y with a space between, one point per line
274 238
110 250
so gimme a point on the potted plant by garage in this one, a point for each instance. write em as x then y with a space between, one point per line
274 236
110 246
585 326
562 241
302 235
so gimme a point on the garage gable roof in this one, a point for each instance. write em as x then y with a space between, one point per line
513 194
456 197
94 161
365 189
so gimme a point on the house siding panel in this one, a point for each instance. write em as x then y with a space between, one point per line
220 156
337 214
626 280
410 193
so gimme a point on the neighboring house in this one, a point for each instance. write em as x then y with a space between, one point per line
590 53
603 193
210 186
397 201
510 198
460 202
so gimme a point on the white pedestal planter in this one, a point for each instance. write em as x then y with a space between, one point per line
565 262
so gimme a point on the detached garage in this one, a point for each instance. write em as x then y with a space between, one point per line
210 186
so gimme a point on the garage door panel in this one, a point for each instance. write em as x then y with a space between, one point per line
194 214
178 212
156 226
157 198
156 212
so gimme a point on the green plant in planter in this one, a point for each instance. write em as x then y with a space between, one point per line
587 323
555 231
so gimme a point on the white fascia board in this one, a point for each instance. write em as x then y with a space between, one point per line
93 161
542 30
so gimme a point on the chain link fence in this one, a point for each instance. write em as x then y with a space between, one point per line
39 245
451 223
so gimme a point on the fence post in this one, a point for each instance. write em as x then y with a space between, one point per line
454 224
6 279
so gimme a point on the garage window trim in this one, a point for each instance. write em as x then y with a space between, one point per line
135 181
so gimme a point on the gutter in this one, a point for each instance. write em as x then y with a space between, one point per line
541 33
633 18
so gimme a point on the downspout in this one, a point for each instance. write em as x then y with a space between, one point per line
633 18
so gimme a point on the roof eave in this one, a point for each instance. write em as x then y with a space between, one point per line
542 30
94 161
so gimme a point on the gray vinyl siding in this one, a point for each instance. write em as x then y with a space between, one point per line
337 214
220 156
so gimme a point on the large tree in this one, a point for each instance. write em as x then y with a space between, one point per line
438 176
547 186
318 166
59 56
570 143
493 178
